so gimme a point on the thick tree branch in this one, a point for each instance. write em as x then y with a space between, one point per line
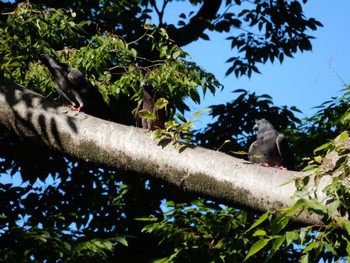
195 28
206 172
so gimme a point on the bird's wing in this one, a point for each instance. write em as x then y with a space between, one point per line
254 153
68 96
76 77
282 145
88 95
138 108
251 149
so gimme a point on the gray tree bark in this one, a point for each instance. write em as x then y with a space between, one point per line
209 173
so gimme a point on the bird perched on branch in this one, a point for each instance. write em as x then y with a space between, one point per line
271 147
76 88
148 105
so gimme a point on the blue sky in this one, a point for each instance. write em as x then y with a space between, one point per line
305 81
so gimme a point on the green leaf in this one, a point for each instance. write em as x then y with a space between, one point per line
318 158
181 117
302 235
276 245
197 113
67 246
198 203
328 146
259 221
348 247
157 134
257 247
133 53
334 205
316 207
238 152
279 223
121 240
312 246
148 219
291 236
170 203
295 207
305 259
347 227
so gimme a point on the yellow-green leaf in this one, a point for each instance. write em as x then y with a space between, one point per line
161 103
343 136
259 232
176 54
156 134
133 53
240 153
318 158
197 113
147 115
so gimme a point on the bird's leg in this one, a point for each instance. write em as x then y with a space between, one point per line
281 167
73 108
278 167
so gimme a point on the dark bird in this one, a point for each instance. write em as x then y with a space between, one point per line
271 147
76 88
148 103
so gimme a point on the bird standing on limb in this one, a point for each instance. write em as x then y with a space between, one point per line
148 104
271 147
76 88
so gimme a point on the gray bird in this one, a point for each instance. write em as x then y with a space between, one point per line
148 102
76 88
271 147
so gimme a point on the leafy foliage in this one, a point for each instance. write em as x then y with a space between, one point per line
201 231
178 131
259 31
280 32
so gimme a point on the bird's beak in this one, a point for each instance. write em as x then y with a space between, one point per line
255 127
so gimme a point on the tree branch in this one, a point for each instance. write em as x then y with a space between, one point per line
195 28
206 172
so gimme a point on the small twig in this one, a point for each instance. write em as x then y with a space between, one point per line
139 37
226 141
334 71
152 61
